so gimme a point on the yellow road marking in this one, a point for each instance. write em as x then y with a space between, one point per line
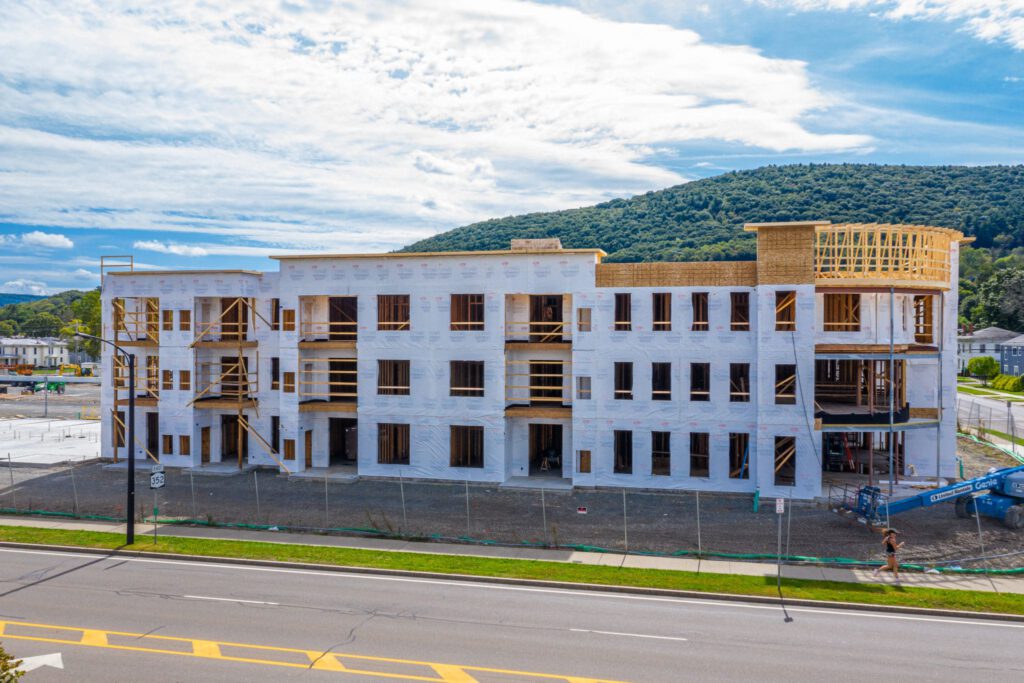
333 661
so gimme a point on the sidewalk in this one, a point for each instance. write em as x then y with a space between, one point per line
977 582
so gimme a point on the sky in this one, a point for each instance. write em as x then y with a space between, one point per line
213 134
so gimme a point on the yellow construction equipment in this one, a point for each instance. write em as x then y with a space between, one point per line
70 370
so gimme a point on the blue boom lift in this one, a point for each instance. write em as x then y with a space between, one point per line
1003 499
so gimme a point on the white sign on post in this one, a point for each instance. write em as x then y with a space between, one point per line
156 480
780 506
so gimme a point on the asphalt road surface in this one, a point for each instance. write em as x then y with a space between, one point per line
118 619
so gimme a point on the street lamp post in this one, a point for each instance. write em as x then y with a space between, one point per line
130 510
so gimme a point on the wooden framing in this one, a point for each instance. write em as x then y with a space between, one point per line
661 303
739 455
541 381
842 312
466 446
136 321
623 311
341 327
924 319
785 460
739 311
340 383
393 377
699 309
678 274
393 312
785 311
467 312
393 447
739 382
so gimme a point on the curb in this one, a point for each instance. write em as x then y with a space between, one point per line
534 583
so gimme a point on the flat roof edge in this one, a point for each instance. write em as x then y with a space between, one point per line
186 272
435 254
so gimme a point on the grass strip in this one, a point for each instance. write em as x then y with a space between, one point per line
869 594
977 392
1003 435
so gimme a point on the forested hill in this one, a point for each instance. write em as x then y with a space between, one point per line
703 219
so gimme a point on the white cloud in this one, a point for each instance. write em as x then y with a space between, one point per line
23 286
990 20
83 274
169 248
323 123
46 240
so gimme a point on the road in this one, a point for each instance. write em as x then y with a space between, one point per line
141 619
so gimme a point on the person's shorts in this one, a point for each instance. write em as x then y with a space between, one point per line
888 554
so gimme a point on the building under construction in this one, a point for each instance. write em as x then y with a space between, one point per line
834 351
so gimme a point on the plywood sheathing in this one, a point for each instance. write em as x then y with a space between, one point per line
699 274
785 254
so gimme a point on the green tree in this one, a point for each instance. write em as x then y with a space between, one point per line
8 328
9 672
42 325
87 310
983 367
1001 299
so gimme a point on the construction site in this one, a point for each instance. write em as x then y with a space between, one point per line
540 396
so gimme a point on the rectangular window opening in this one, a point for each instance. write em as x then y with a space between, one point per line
739 320
785 460
467 446
739 382
624 381
167 320
623 452
392 312
662 304
185 380
392 444
842 312
583 320
467 312
700 381
288 320
185 320
184 445
785 385
275 314
661 381
275 373
393 377
661 453
739 455
699 302
785 311
700 454
623 312
923 313
167 447
466 378
583 391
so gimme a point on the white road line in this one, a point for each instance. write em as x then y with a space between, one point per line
628 635
248 602
595 593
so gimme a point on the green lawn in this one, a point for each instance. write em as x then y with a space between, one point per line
976 392
870 593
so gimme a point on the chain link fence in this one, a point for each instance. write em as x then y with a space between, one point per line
684 523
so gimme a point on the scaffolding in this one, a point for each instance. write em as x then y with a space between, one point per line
229 383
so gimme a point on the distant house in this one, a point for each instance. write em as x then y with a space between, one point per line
984 342
1011 356
45 353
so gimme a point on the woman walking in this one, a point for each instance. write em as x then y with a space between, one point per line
891 546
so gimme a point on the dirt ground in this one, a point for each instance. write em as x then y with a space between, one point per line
69 405
654 522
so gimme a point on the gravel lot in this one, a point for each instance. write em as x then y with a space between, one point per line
659 522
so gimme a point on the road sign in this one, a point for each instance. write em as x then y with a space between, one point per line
157 468
156 480
780 506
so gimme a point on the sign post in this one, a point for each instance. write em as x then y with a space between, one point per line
156 482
